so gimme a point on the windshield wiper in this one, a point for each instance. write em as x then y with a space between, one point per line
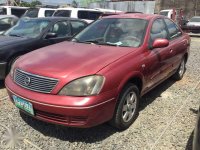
16 35
91 41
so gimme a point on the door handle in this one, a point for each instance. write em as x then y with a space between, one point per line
171 51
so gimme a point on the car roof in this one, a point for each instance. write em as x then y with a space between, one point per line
53 19
41 8
135 15
14 7
5 16
71 8
196 17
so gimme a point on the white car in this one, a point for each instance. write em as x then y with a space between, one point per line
88 15
6 22
194 21
13 10
39 12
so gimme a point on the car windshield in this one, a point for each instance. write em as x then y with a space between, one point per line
114 32
195 19
28 28
164 13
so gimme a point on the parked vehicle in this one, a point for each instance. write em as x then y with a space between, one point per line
196 138
193 25
30 34
13 10
39 12
101 74
88 15
7 22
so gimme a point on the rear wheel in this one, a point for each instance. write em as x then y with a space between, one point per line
180 72
127 107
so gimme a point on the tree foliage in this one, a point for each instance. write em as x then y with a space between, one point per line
31 4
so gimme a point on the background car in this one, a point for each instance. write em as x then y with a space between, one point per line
7 22
39 12
30 34
193 25
88 15
13 10
101 74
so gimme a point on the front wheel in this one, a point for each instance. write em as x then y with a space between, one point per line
127 107
180 72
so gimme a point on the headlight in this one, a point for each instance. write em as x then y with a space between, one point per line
12 70
90 85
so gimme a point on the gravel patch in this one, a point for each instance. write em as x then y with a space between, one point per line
166 120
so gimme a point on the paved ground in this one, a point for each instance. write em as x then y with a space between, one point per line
166 121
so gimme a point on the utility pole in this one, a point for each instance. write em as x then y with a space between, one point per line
196 7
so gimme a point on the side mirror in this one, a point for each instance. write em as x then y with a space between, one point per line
160 43
51 35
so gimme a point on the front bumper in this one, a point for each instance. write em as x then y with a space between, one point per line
69 111
3 66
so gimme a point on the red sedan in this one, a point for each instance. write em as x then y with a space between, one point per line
101 74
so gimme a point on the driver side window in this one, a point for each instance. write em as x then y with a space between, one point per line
158 30
62 29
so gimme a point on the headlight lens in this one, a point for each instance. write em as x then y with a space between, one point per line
90 85
12 70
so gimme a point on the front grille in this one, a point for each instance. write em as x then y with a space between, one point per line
34 82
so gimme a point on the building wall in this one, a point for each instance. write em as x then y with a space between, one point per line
190 7
127 6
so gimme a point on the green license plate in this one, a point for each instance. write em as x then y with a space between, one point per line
23 104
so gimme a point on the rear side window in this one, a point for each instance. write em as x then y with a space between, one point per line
158 30
32 13
173 29
49 13
63 13
3 11
17 12
77 26
90 15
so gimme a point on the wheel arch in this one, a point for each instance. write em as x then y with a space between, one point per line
136 78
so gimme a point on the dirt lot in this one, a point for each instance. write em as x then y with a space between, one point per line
166 121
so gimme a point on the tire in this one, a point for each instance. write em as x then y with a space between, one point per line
126 109
12 61
180 72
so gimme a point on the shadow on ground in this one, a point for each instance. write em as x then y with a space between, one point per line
94 134
189 142
155 93
2 85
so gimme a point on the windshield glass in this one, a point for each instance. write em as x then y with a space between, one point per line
62 13
28 28
164 13
195 19
32 13
114 32
3 11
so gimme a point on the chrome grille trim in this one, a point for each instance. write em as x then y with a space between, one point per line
37 83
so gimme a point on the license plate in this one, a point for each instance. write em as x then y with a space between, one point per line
23 104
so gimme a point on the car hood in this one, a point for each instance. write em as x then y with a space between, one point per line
70 59
193 23
11 40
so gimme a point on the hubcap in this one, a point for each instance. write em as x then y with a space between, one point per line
182 68
129 106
